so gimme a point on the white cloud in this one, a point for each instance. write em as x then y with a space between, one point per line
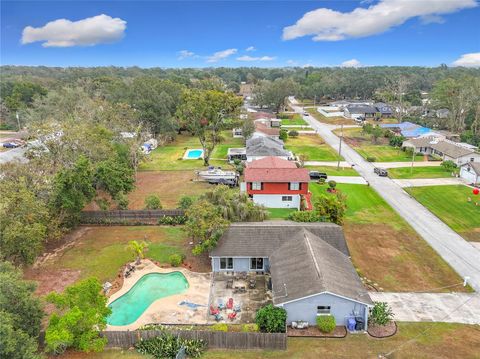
185 54
251 58
468 60
219 55
351 63
432 19
250 48
330 25
87 32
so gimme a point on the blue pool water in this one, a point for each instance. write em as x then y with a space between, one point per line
130 306
194 154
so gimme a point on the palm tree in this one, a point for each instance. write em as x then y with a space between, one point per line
138 249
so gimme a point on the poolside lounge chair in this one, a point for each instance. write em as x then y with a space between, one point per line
232 315
230 303
213 311
218 317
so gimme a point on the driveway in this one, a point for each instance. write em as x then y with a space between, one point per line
420 182
433 307
448 244
12 155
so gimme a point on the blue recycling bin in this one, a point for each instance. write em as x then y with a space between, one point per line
351 324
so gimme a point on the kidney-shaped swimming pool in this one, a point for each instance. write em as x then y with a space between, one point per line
130 306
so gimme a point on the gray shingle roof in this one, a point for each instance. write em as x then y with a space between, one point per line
447 147
475 166
265 146
261 239
308 266
361 109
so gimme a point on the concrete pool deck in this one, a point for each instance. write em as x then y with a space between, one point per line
166 310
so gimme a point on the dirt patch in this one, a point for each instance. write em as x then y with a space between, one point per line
396 260
473 235
168 185
313 331
51 279
382 331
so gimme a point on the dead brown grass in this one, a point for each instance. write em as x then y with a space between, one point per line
397 260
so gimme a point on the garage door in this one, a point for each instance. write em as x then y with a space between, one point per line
469 176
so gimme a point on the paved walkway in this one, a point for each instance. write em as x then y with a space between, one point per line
327 163
347 179
407 164
448 244
433 307
420 182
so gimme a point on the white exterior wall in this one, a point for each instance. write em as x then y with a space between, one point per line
275 201
254 158
240 264
469 176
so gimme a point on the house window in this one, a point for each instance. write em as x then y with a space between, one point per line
256 263
256 186
226 263
294 186
323 310
287 198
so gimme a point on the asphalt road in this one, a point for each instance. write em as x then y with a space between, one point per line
462 256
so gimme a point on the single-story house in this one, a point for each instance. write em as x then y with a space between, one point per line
383 109
277 183
470 172
311 272
259 147
446 149
356 111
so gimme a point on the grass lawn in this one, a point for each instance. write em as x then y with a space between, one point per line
296 120
170 156
449 203
101 251
381 151
312 146
332 170
441 340
280 213
384 247
418 172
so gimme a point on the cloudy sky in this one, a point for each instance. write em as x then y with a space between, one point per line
241 33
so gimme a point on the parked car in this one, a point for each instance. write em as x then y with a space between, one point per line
315 175
305 113
11 145
382 172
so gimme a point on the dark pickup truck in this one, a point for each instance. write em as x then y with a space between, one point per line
315 175
382 172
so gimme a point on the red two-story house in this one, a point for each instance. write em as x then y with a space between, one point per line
277 183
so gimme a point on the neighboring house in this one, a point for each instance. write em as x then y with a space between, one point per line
356 111
446 149
471 172
383 109
442 113
309 263
261 146
277 183
263 127
237 154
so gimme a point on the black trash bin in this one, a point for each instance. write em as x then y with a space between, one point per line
360 325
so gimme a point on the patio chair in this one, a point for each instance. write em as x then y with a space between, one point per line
229 283
232 315
221 304
218 317
213 311
237 308
252 283
230 303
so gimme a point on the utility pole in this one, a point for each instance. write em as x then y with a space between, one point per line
18 121
314 100
340 147
413 159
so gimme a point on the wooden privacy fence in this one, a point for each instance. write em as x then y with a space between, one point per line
140 216
214 340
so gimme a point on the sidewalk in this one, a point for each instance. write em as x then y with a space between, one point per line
420 182
407 164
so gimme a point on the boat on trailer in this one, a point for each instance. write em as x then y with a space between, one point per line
215 175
